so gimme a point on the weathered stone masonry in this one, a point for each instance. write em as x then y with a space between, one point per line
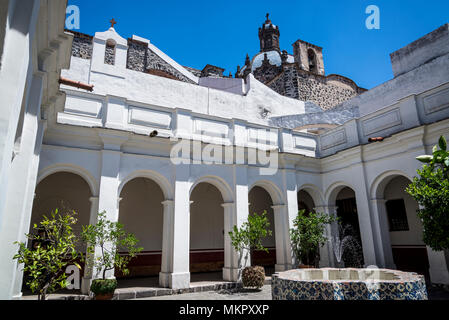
82 45
306 86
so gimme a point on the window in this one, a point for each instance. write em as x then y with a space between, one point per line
397 215
109 55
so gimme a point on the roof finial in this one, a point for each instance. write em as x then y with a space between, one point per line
113 22
268 17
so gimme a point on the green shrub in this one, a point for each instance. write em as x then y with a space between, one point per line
249 236
53 249
307 236
110 237
253 277
103 286
431 190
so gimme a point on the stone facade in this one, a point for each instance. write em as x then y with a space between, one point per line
194 71
109 56
325 91
301 75
82 46
266 72
154 62
137 56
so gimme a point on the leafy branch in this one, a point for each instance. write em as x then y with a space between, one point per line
110 238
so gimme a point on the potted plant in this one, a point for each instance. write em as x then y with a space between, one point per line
106 238
307 236
246 240
53 249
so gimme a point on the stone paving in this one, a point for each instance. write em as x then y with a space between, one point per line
232 294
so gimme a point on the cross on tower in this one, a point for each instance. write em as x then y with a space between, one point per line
113 22
267 15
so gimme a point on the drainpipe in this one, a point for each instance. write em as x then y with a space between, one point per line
76 84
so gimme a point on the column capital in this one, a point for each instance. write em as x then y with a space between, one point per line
327 209
278 206
167 202
93 199
379 200
227 204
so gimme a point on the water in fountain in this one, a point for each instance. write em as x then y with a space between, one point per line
347 248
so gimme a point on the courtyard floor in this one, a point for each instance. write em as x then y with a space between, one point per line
225 294
205 285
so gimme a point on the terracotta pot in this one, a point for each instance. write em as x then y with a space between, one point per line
104 296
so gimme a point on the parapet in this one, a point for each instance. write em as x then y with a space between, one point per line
421 51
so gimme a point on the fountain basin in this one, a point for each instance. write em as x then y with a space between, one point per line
347 284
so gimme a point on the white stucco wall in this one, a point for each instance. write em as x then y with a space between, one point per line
259 201
66 192
141 212
396 190
206 218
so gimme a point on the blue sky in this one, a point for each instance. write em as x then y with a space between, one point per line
196 33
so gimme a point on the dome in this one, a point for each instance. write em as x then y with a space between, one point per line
273 56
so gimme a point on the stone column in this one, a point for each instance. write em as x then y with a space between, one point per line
167 245
108 198
231 270
282 236
240 214
327 255
88 272
438 270
21 190
382 234
176 273
366 226
16 77
290 213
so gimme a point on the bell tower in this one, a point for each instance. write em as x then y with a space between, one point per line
269 36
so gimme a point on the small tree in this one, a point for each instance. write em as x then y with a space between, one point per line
249 236
308 235
431 190
110 238
54 248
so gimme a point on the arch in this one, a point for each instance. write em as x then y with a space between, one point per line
207 226
333 190
382 180
400 236
67 192
152 175
110 51
111 42
141 212
273 190
343 198
219 183
314 192
63 167
311 56
260 199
